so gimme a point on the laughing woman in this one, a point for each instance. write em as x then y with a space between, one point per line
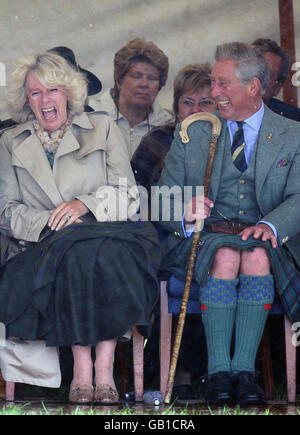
65 190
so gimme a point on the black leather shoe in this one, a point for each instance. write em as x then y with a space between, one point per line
183 393
219 390
247 392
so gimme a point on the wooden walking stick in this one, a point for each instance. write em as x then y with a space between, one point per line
216 130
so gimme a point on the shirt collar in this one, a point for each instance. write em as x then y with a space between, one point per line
254 121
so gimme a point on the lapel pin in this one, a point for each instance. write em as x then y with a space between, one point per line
269 137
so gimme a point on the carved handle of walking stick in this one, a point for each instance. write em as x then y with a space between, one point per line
216 125
216 130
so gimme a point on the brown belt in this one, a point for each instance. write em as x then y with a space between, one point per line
227 227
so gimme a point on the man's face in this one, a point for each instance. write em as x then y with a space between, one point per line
234 99
273 87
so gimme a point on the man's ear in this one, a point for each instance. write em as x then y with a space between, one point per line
254 86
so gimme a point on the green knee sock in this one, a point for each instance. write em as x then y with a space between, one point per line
255 296
218 306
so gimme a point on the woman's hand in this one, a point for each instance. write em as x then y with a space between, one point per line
66 214
199 208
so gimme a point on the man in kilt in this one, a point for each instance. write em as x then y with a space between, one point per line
251 220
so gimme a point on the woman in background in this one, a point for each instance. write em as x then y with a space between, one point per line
191 95
140 71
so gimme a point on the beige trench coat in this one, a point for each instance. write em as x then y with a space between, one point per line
91 160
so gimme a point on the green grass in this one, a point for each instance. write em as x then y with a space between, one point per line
41 401
43 409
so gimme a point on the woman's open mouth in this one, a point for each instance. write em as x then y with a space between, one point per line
49 114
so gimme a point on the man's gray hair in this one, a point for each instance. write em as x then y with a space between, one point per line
250 61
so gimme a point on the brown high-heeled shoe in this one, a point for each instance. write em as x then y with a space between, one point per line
82 394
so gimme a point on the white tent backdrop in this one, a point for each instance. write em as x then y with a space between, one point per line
186 30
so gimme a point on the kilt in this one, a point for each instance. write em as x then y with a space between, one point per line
284 269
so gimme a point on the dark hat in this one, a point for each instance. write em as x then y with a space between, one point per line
94 84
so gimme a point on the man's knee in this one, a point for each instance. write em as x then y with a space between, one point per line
255 262
226 263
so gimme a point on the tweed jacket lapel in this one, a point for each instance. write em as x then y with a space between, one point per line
268 147
223 141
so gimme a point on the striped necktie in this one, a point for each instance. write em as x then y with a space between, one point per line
237 148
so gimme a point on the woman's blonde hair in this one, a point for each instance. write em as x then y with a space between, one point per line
191 78
51 70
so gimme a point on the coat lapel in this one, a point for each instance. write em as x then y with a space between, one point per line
30 155
218 162
268 146
69 142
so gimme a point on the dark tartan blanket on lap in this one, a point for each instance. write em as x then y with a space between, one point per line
122 258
